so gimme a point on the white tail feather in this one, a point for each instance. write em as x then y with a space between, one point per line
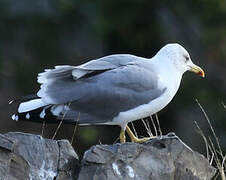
31 105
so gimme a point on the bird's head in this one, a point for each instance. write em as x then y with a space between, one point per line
180 57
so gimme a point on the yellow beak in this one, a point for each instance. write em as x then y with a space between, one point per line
196 69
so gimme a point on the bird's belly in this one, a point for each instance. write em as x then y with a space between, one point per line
142 111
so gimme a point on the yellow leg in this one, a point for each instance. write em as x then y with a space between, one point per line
122 136
134 138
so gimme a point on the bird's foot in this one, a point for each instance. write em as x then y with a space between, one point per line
141 140
135 139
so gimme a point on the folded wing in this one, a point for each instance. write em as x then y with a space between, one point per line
95 91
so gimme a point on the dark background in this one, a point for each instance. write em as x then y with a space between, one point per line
39 34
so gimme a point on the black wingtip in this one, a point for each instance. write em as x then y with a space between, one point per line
15 117
12 101
35 116
24 98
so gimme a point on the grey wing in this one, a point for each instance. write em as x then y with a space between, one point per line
100 89
103 64
117 91
101 97
63 79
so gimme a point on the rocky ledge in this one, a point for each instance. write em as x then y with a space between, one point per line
29 156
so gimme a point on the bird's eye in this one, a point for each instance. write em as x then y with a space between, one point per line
186 58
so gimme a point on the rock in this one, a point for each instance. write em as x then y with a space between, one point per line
27 156
165 158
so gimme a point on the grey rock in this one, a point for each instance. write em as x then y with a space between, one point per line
27 156
69 165
165 158
31 157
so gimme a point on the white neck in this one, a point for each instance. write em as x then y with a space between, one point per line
170 75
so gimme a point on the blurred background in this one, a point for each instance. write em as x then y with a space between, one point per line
40 34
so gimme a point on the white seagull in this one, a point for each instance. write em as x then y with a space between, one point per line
112 90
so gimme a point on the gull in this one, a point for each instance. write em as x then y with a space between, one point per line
112 90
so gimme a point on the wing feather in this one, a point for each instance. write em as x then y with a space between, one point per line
63 79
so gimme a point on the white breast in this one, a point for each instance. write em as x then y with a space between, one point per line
168 80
